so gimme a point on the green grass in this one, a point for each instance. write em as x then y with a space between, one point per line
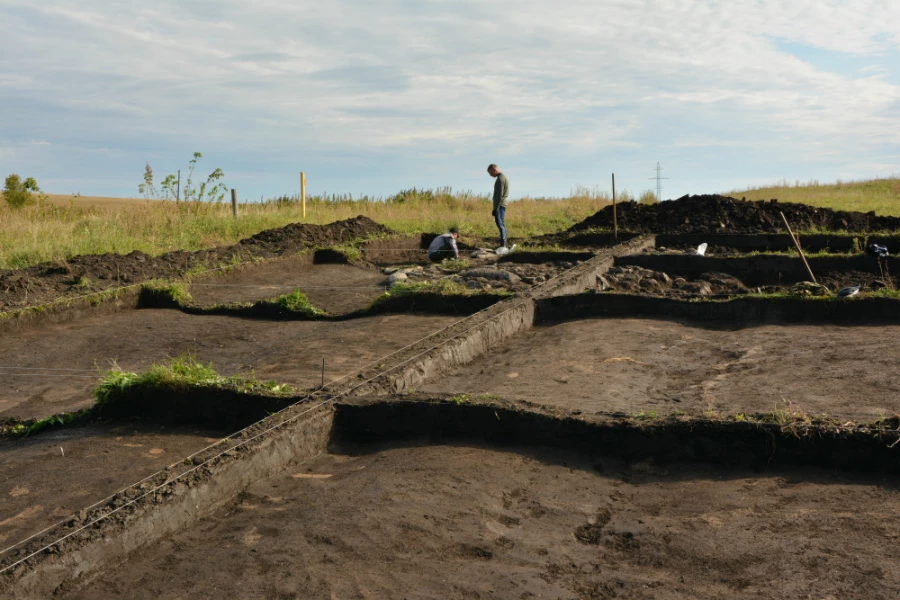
879 195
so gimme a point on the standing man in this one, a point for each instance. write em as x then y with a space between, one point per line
501 200
444 246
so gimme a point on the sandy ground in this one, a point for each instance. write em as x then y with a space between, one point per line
464 522
286 351
47 478
634 365
336 289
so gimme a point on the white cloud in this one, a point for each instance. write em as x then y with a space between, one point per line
561 81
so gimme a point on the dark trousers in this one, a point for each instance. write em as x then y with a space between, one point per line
441 255
500 220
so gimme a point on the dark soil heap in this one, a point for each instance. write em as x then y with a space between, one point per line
85 274
721 214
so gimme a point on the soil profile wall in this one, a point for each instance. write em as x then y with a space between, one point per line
725 442
760 269
737 311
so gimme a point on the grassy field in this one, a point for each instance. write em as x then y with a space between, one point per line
63 226
880 195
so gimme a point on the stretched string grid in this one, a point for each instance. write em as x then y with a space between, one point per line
243 442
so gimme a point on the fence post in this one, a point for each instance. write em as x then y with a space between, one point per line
303 192
234 202
615 220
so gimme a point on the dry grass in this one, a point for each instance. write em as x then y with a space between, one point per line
65 226
879 195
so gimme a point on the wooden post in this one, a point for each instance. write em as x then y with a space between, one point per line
234 202
615 220
303 192
799 249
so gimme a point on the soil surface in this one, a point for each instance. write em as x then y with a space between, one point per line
49 477
462 522
722 214
336 289
39 375
639 365
81 275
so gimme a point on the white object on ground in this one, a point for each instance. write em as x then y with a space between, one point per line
398 276
502 250
701 249
848 291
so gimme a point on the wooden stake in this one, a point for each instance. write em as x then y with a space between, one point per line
234 202
303 192
615 219
799 249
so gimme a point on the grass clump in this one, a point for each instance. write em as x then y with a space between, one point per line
171 290
297 302
181 372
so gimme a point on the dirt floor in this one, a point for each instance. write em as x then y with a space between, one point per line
635 365
337 289
50 477
37 367
467 522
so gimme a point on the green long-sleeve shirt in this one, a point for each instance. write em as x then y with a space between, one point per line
501 191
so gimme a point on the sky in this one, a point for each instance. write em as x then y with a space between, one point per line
371 97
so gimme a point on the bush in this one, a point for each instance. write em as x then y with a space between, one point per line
17 193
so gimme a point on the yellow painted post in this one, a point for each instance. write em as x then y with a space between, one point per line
303 192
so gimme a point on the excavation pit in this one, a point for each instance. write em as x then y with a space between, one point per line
457 501
639 366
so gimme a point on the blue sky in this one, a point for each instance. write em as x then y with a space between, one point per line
373 97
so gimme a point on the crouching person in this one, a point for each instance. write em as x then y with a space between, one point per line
444 246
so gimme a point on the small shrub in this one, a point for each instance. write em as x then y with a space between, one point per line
18 193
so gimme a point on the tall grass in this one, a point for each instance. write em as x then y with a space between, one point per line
879 195
50 232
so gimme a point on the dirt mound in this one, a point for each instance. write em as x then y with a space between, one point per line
301 235
86 274
721 214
